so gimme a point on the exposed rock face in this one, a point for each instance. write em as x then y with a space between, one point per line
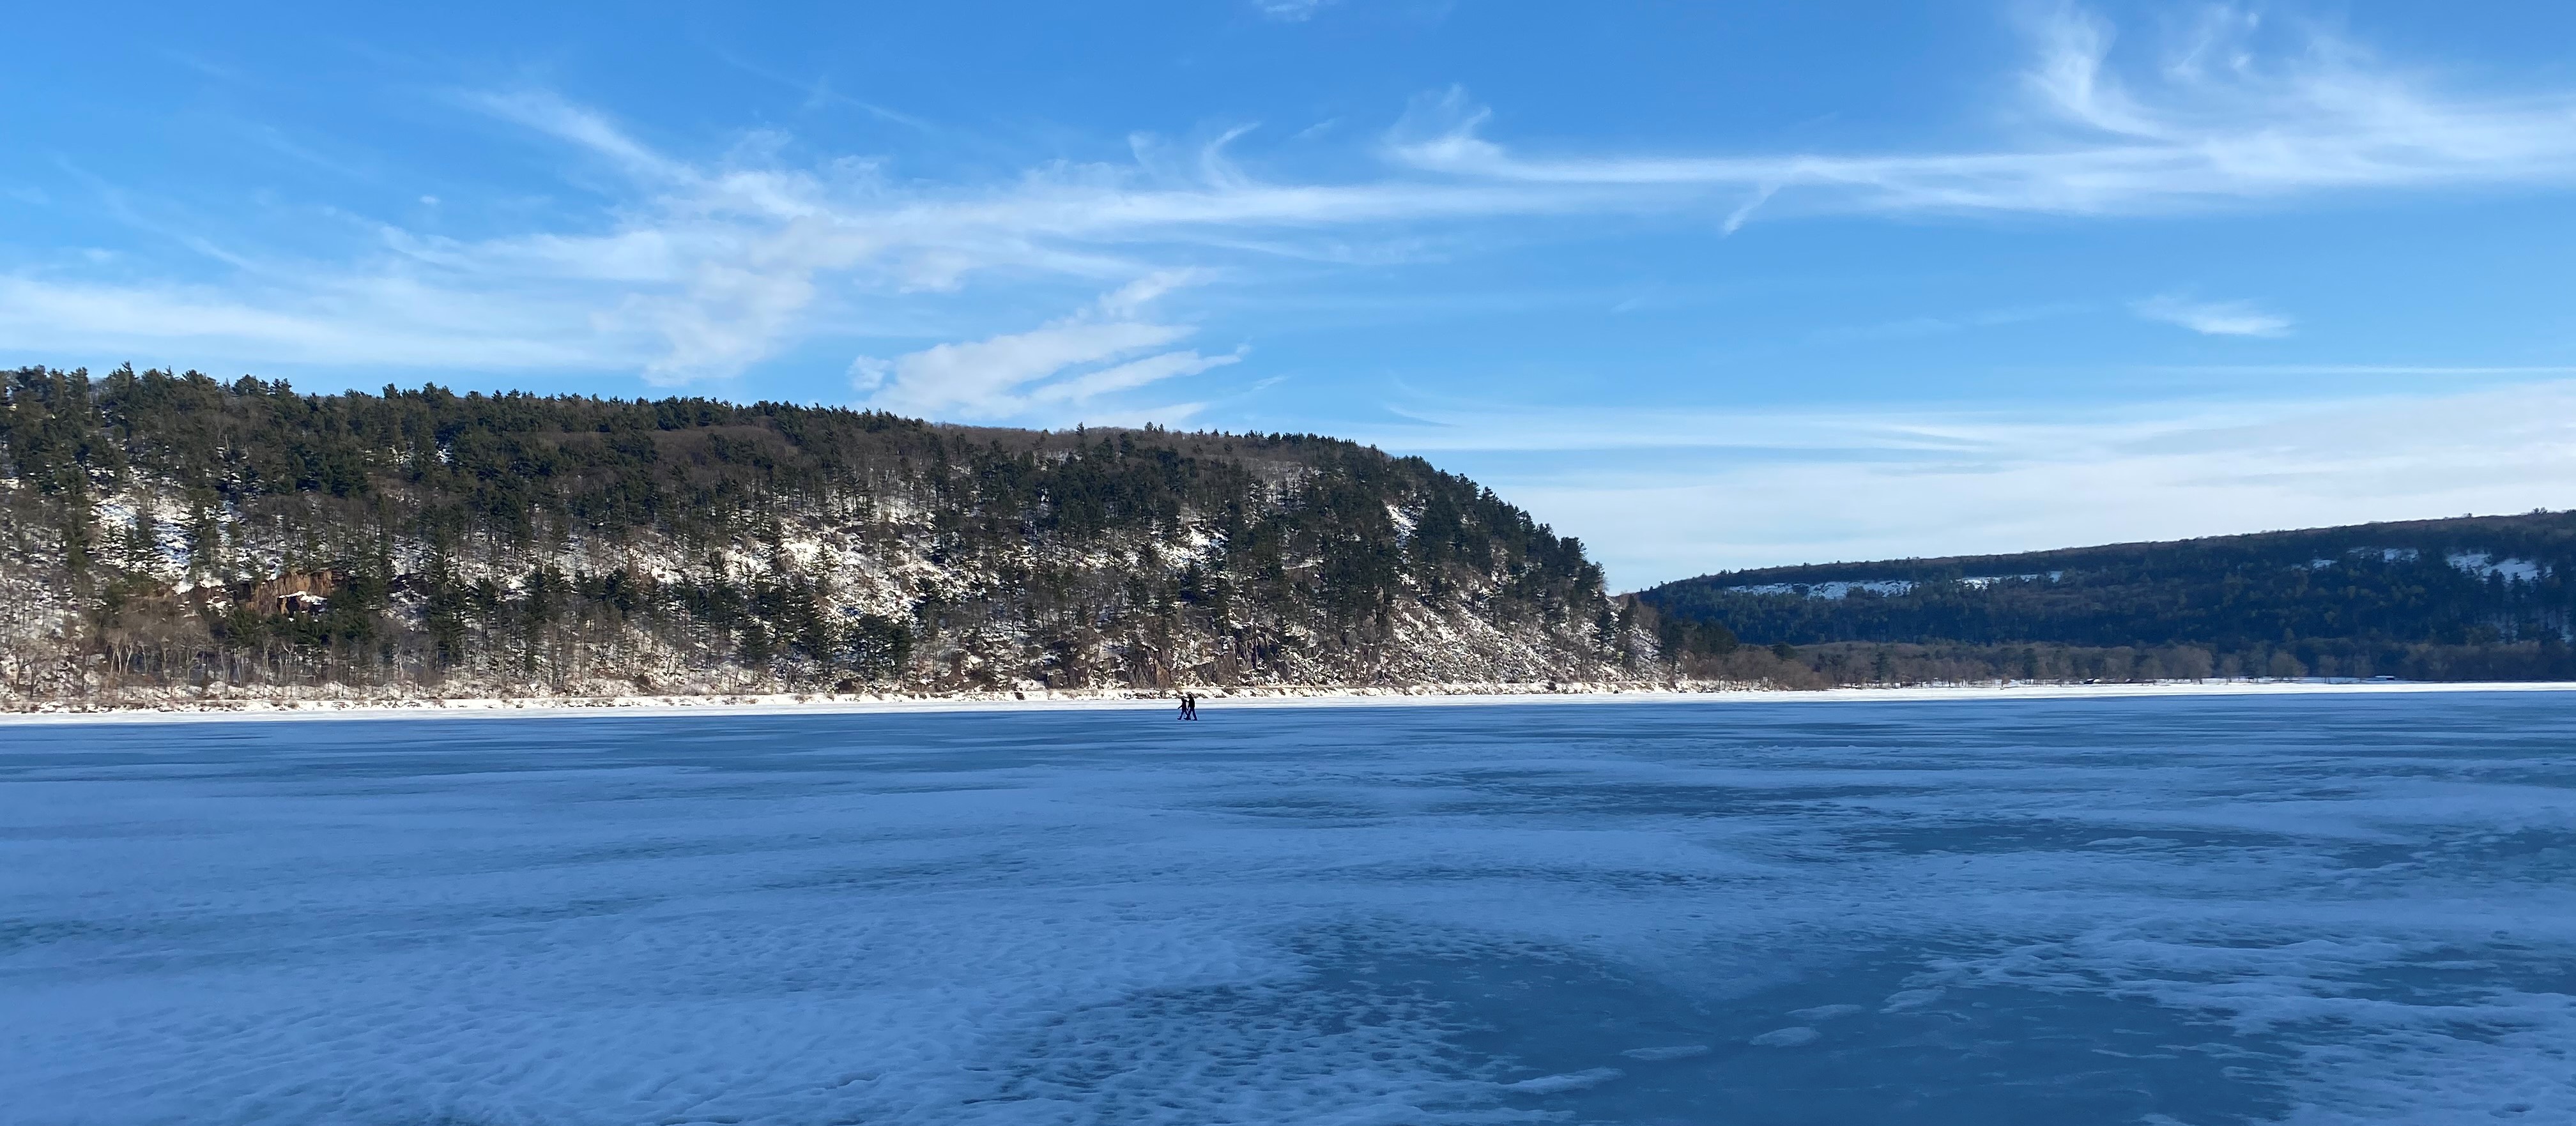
295 592
172 534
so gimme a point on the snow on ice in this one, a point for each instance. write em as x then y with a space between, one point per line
2302 909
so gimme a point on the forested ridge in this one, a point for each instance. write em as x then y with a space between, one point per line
171 535
173 532
2467 598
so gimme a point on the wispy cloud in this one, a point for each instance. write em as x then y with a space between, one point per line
2212 318
701 266
1291 11
819 93
1056 373
2523 371
1943 325
547 112
2213 122
1676 493
373 321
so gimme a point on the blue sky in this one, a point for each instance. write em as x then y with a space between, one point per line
1707 285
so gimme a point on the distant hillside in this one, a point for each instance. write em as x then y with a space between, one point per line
173 534
2466 598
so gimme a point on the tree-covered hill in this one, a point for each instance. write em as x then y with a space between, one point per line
163 532
2465 598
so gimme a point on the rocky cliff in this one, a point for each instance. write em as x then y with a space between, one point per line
171 536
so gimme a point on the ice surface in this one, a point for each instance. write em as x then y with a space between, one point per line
1669 1052
1570 1081
1787 1037
2199 910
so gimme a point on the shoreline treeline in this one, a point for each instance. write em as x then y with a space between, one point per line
2471 598
172 531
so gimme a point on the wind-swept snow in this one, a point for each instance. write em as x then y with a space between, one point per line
2319 909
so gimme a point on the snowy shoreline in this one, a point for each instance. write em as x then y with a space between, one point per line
538 707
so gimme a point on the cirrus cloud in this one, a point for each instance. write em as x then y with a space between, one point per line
1053 373
698 268
2212 318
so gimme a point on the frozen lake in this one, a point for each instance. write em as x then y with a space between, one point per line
2167 910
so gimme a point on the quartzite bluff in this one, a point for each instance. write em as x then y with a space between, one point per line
173 536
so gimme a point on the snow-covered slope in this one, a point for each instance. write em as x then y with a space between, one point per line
174 536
